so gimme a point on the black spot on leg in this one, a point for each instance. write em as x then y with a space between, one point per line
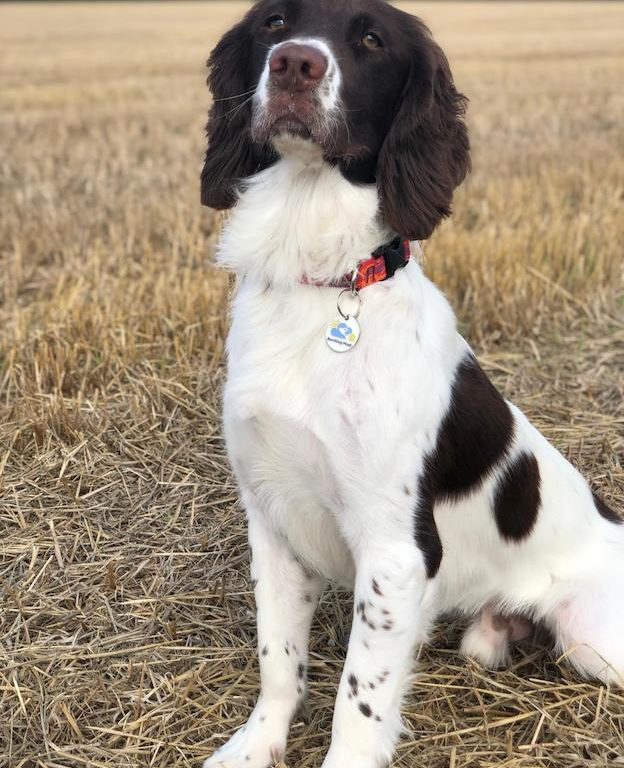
365 709
376 589
307 598
262 718
517 498
265 650
299 690
406 491
287 650
605 511
361 610
377 718
388 625
254 583
300 671
353 684
473 437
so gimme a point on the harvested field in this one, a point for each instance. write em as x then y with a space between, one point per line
126 615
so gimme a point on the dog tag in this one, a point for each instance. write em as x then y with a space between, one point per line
342 333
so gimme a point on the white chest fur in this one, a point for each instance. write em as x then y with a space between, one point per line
310 431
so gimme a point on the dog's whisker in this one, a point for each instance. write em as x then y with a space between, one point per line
236 96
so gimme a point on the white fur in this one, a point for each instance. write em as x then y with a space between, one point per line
323 446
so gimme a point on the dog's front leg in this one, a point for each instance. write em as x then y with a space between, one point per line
286 598
389 619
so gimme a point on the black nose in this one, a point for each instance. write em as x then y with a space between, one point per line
297 67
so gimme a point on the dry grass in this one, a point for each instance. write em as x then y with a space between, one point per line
126 622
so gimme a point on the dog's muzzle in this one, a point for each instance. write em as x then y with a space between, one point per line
297 92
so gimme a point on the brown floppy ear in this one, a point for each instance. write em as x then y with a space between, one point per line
231 155
426 153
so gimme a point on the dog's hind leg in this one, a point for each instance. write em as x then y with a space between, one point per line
589 630
286 598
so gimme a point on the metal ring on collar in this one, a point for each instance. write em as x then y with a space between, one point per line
353 295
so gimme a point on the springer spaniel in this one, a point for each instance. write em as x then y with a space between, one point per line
369 446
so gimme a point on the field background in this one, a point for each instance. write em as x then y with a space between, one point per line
126 616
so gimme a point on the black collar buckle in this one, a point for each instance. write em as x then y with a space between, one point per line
396 254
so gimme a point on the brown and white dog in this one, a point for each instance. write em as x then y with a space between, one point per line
369 446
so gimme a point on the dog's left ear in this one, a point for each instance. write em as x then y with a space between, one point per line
426 153
231 155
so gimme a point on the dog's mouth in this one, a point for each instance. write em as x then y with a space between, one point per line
299 115
291 126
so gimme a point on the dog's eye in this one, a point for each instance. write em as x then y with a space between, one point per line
371 40
275 22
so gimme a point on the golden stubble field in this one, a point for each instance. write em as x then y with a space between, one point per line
126 616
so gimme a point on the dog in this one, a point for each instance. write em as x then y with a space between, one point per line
369 446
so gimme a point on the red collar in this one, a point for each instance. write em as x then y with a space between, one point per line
380 265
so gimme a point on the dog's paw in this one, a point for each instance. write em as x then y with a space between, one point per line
490 649
487 638
258 744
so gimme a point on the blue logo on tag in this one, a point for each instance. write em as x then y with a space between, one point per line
341 331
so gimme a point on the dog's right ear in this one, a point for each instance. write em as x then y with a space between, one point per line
231 155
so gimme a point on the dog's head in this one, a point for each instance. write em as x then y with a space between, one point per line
360 79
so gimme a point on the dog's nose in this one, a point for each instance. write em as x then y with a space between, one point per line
297 67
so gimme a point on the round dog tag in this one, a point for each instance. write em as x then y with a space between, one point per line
342 333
